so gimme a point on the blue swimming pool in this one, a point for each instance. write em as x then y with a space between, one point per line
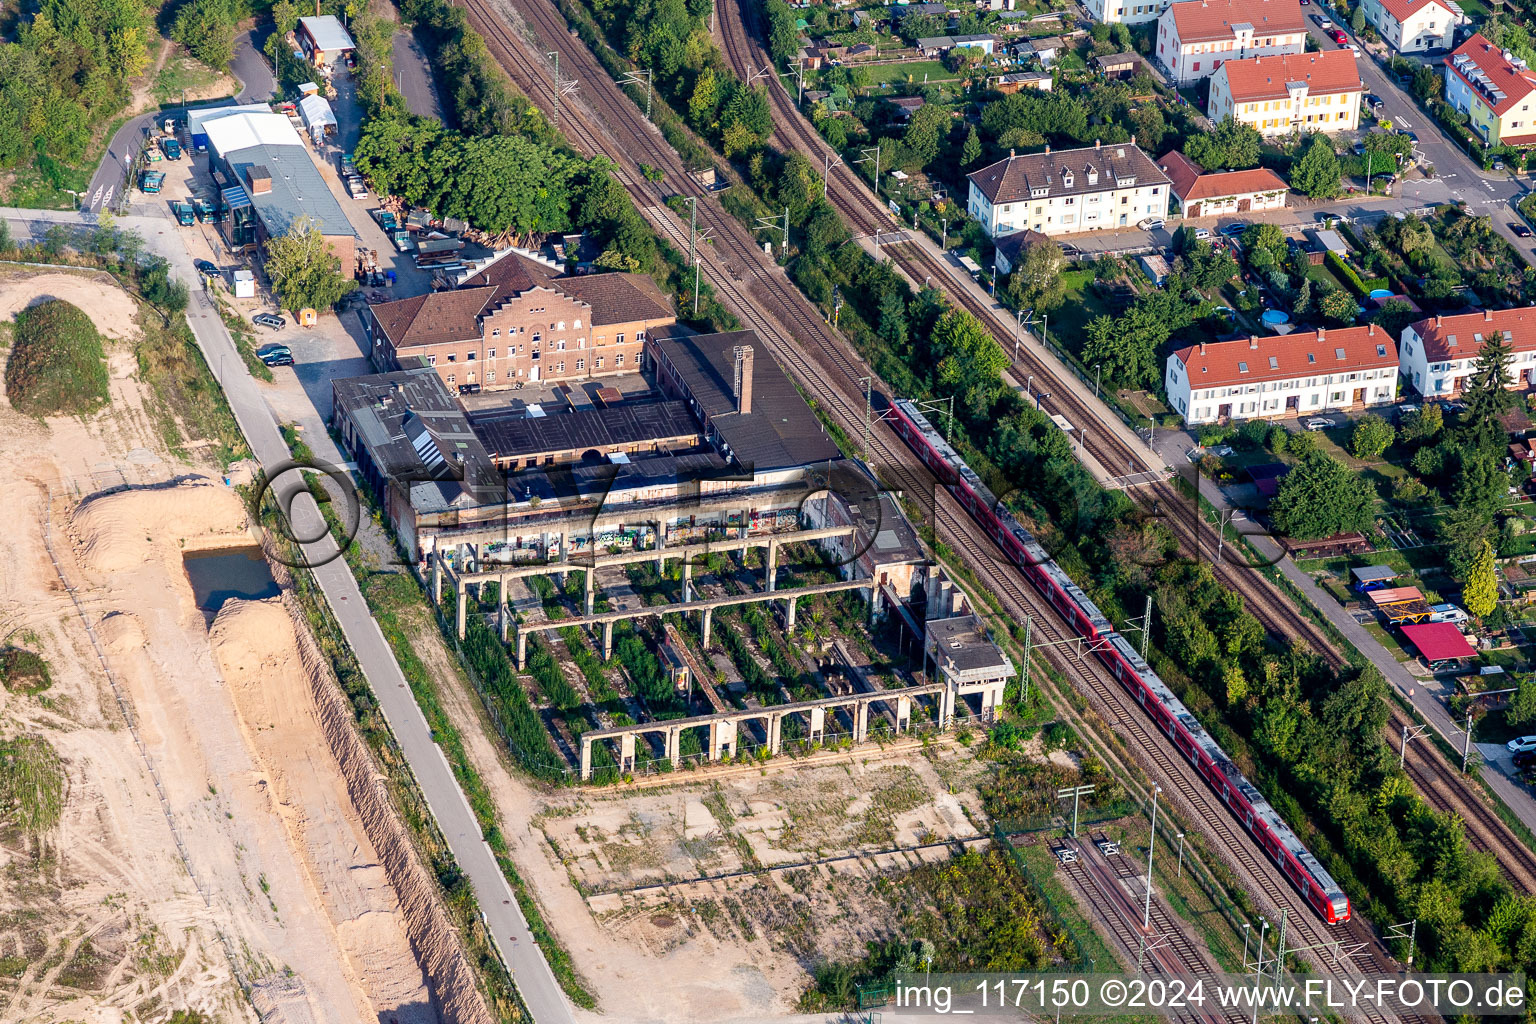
1275 316
1381 293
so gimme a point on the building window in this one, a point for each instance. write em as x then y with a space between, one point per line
581 364
490 353
537 337
490 376
560 366
450 378
618 359
560 345
452 357
470 358
431 360
618 339
496 332
599 363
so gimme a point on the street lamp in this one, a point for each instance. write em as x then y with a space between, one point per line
1096 368
1146 915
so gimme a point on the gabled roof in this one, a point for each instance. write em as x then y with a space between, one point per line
1248 360
1191 183
1204 21
1271 78
1460 337
1499 81
1401 10
1066 172
440 317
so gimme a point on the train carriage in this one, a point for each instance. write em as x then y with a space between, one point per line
1162 706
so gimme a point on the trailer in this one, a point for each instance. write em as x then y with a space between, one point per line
185 213
150 181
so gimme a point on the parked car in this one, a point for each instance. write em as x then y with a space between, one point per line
1372 101
1525 759
1321 21
271 320
1405 410
1234 229
1520 229
1152 224
275 355
1321 423
1521 744
1202 233
1339 37
205 268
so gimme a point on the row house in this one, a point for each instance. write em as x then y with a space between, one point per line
1197 193
1300 92
1098 188
1439 353
1284 376
521 321
1414 26
1196 37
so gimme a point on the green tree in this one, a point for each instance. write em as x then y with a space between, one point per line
1487 391
1480 593
893 319
1320 497
207 29
1231 145
1392 316
704 104
1357 18
970 150
1338 307
1036 280
1422 426
304 271
1316 174
1372 436
1266 238
970 363
1522 704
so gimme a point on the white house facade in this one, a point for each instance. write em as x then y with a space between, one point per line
1099 188
1196 37
1438 354
1126 12
1414 26
1198 194
1283 376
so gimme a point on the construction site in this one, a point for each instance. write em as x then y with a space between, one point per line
682 570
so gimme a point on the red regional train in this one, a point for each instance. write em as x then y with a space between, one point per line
1244 800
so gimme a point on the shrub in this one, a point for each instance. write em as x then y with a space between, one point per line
1372 436
57 365
24 671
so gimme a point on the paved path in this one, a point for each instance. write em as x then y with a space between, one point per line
413 76
453 814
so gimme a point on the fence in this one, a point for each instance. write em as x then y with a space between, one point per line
1059 921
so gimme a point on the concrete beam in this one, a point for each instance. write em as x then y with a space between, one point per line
662 553
692 606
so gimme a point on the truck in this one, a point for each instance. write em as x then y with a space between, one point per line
348 168
171 147
355 187
185 213
387 220
150 181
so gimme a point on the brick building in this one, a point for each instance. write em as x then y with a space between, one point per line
521 321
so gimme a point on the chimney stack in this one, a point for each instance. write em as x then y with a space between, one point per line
1322 335
1371 332
1487 316
1253 342
1439 320
743 381
1202 348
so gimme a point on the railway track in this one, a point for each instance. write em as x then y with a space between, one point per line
761 295
1435 777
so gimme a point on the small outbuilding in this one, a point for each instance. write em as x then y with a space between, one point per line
1440 644
1372 577
324 40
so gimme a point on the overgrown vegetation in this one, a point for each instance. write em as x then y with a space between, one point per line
23 671
57 365
31 784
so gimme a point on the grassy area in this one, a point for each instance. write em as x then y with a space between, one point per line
1042 865
245 342
57 365
1082 304
31 784
912 71
185 74
24 671
189 404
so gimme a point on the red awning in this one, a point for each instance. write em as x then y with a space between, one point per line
1438 641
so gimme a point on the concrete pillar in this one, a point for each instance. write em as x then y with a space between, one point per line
687 578
775 732
771 565
789 613
627 752
818 729
461 610
586 758
522 650
607 641
675 744
661 549
709 620
504 614
861 721
591 591
991 698
946 706
722 739
903 714
437 577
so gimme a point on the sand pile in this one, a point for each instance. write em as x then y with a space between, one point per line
119 530
108 306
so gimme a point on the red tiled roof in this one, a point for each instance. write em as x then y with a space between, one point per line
1402 10
1223 363
1517 325
1266 78
1517 140
1515 83
1204 21
1191 183
1438 641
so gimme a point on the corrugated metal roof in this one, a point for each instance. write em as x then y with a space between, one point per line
328 33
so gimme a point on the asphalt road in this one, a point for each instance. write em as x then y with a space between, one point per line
413 76
256 84
430 767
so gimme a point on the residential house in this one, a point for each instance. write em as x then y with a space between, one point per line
324 40
1010 84
1306 92
1413 26
1202 194
1010 249
1493 88
1282 376
1099 188
1196 37
1438 353
521 321
1126 12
